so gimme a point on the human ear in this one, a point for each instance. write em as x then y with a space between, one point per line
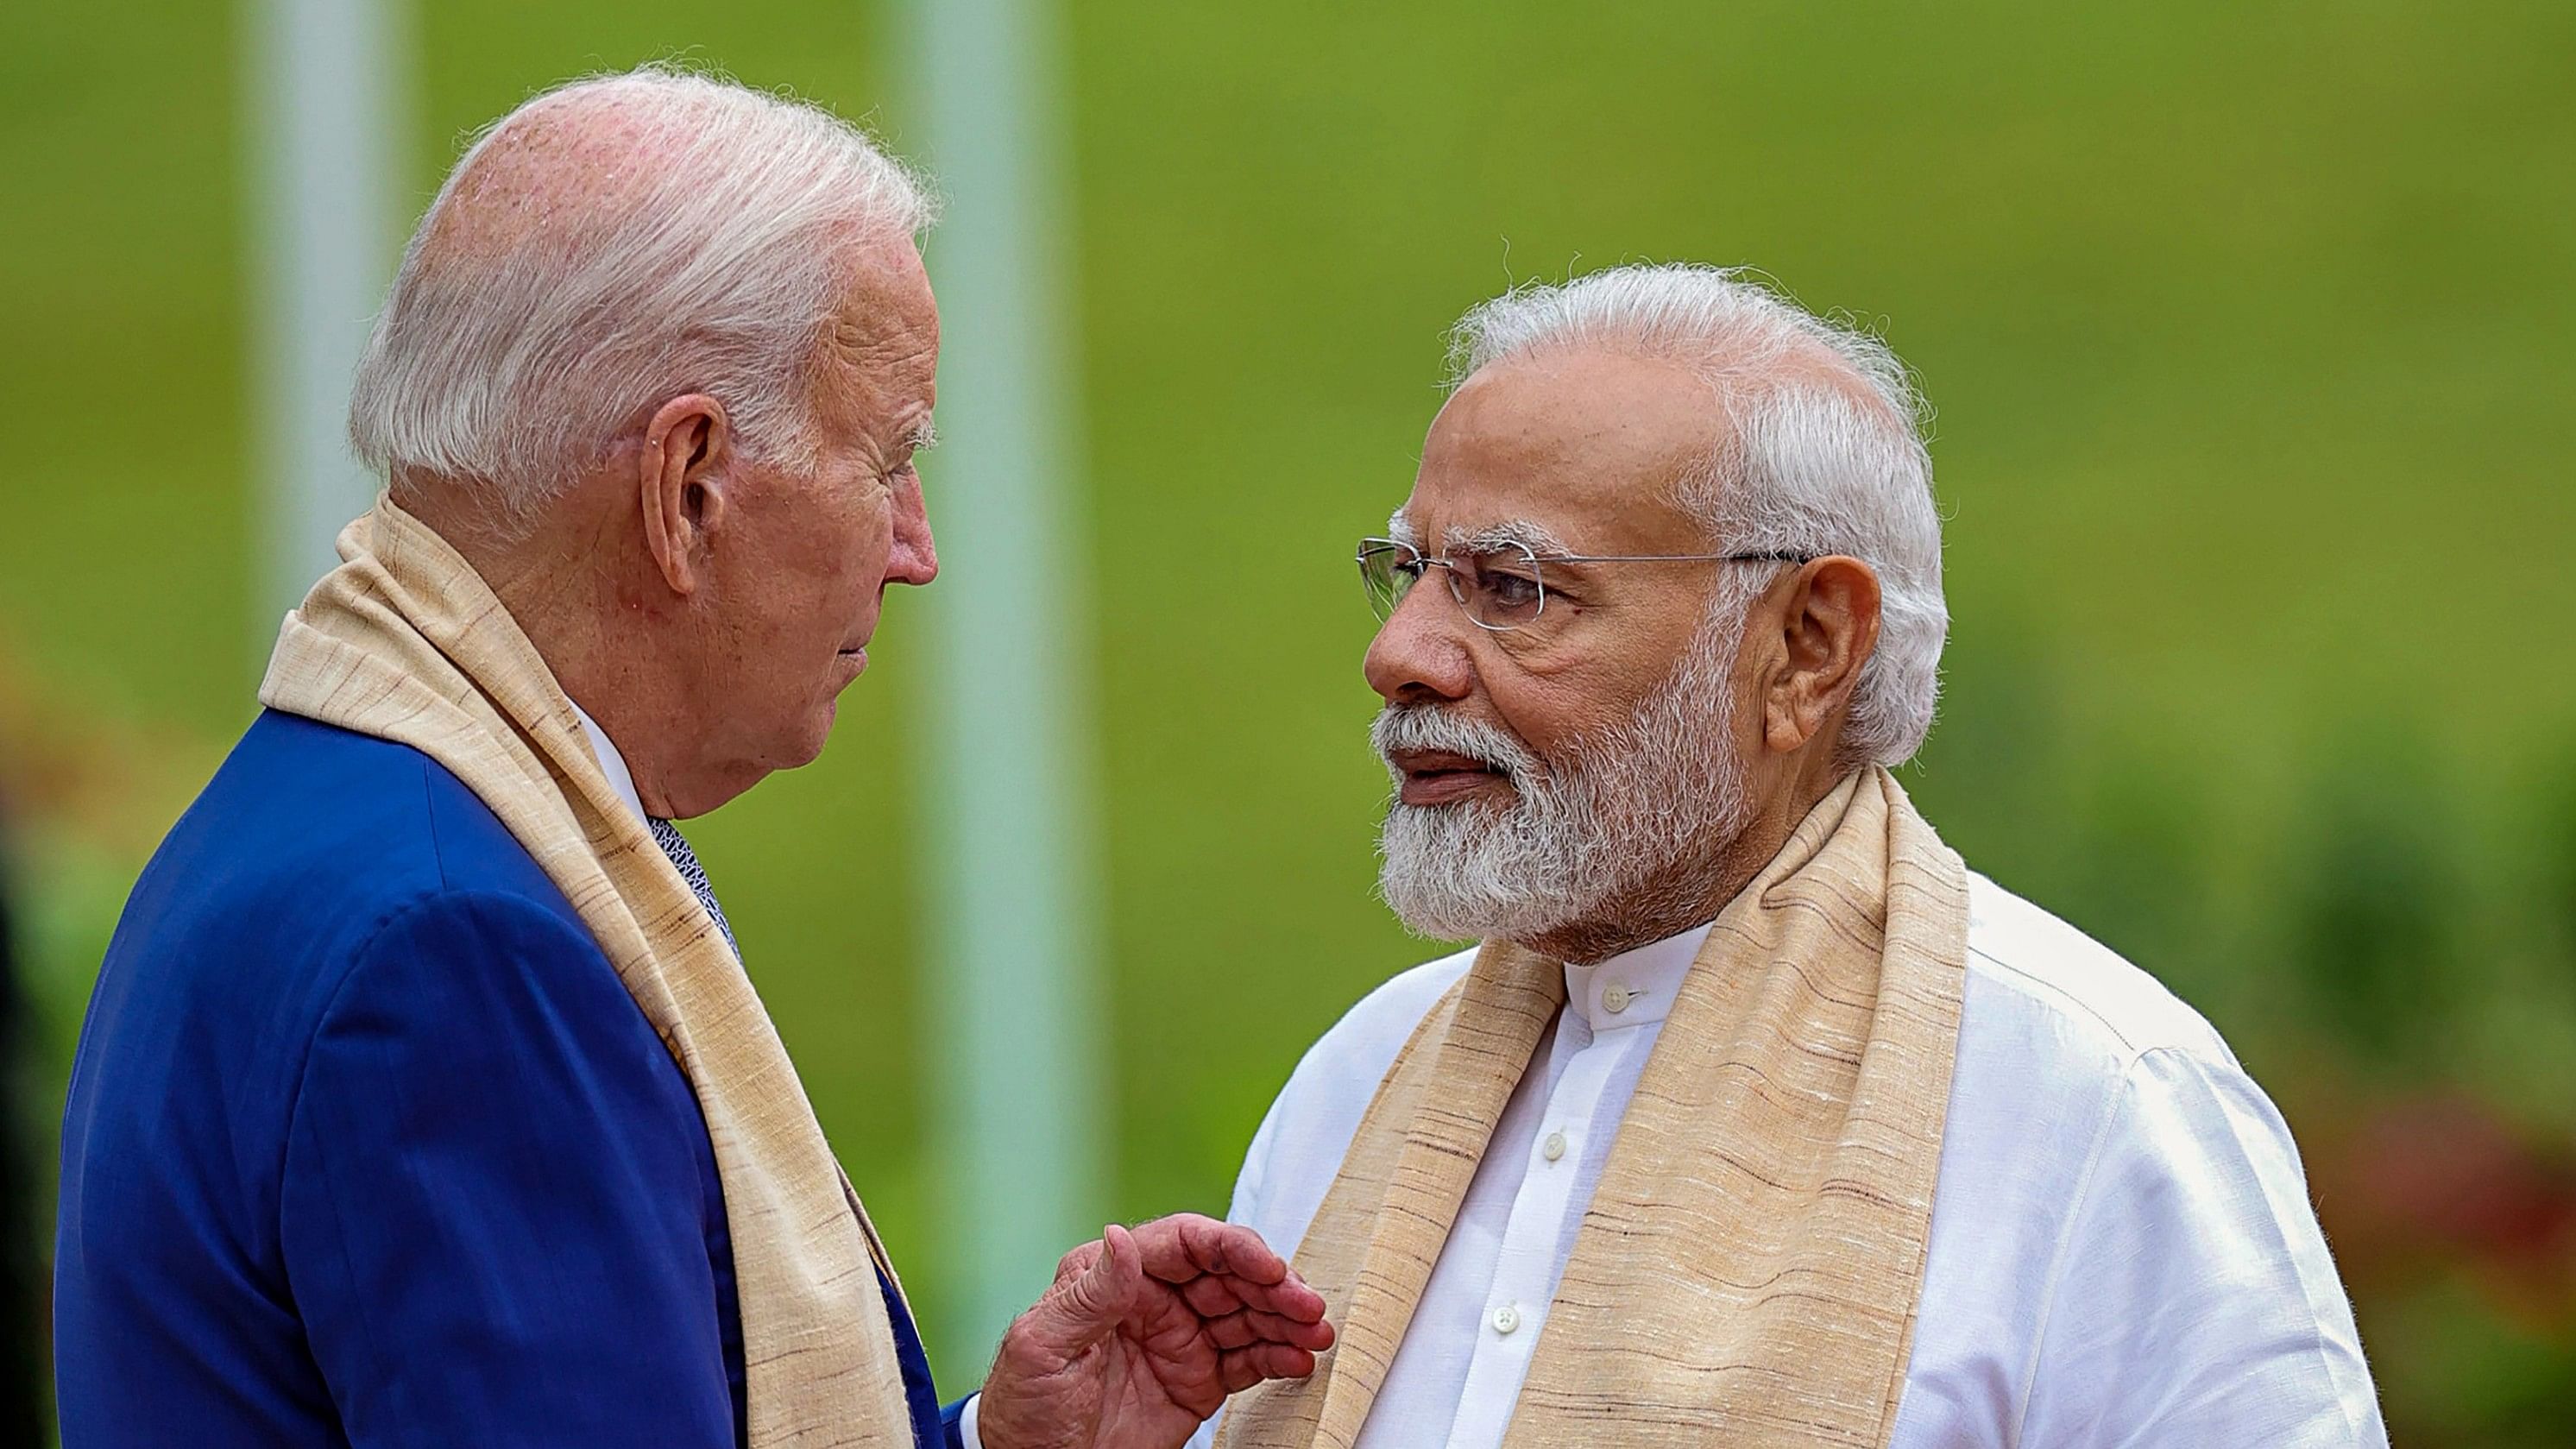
1828 625
683 474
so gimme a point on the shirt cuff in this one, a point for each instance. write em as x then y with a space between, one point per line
966 1433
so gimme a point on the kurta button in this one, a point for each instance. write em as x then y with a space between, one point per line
1617 999
1506 1319
1554 1147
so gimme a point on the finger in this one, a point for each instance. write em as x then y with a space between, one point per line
1233 1249
1182 1246
1212 1297
1187 1245
1245 1367
1166 1256
1230 1332
1239 1330
1236 1372
1291 1298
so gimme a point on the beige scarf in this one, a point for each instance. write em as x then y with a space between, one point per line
405 642
1746 1274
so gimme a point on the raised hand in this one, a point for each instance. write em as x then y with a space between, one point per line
1143 1336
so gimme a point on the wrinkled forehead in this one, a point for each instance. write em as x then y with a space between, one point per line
883 345
1579 451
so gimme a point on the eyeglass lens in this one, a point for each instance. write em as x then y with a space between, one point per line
1388 571
1499 588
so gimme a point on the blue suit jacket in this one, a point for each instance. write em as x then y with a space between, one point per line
367 1144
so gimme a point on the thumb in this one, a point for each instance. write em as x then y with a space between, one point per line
1094 1301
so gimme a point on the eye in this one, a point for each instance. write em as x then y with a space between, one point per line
1509 589
1504 588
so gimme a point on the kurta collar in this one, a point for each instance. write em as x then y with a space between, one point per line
1635 987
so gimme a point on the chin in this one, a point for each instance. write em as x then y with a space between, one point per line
806 745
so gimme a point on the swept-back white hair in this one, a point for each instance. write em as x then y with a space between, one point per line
1823 448
608 245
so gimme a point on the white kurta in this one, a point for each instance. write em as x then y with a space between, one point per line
2122 1250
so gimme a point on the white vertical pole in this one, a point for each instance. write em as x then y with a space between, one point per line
1009 987
325 89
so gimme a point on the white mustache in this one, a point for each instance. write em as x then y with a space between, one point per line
1427 727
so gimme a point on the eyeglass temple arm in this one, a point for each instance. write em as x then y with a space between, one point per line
1766 556
1374 545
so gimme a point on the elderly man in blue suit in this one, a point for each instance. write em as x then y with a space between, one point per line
423 1100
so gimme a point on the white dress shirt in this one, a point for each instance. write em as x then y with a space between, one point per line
2122 1250
611 763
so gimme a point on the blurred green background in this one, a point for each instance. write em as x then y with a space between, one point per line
2248 326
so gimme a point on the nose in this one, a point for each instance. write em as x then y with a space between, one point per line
1418 656
914 557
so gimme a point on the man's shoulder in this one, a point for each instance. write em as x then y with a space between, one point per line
1310 1123
321 876
2119 1194
1363 1044
2100 1010
2060 1041
308 822
308 841
1336 1077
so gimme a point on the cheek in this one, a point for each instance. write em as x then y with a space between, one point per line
1546 709
1557 710
871 540
808 586
845 558
1549 722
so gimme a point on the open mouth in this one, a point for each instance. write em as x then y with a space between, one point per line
1439 777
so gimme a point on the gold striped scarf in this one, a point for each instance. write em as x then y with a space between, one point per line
405 642
1747 1270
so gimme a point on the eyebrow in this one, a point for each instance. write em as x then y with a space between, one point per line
1538 538
923 437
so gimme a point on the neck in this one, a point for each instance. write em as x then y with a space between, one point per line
1694 889
569 585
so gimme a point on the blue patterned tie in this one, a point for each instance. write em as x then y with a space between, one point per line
676 846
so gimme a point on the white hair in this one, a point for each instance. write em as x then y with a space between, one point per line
1810 464
649 234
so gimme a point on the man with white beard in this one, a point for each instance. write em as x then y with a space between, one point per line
1756 1119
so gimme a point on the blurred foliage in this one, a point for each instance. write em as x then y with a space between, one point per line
2246 324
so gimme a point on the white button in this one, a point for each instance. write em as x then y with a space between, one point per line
1617 999
1506 1319
1554 1147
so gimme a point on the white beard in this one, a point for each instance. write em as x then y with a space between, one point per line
1622 811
